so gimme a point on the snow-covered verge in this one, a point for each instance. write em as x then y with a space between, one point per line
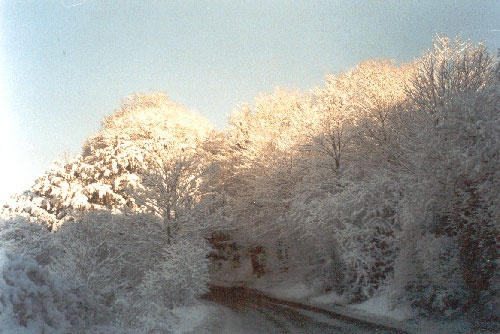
378 309
383 308
296 286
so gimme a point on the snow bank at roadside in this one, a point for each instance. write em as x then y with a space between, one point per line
295 291
295 286
329 298
377 310
381 306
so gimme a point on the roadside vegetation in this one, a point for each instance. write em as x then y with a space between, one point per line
384 178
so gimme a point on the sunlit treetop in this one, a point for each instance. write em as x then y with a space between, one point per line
154 115
146 117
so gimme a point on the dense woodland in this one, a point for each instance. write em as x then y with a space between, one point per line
385 177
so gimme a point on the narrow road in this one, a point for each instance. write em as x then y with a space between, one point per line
279 316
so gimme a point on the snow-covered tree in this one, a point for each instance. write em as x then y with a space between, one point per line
335 103
356 111
112 167
260 165
453 157
174 182
428 274
451 69
360 221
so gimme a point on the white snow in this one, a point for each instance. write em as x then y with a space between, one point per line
376 310
330 298
380 306
297 290
188 318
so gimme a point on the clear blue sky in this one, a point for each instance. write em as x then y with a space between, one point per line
65 65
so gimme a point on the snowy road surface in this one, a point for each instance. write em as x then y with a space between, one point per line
249 311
